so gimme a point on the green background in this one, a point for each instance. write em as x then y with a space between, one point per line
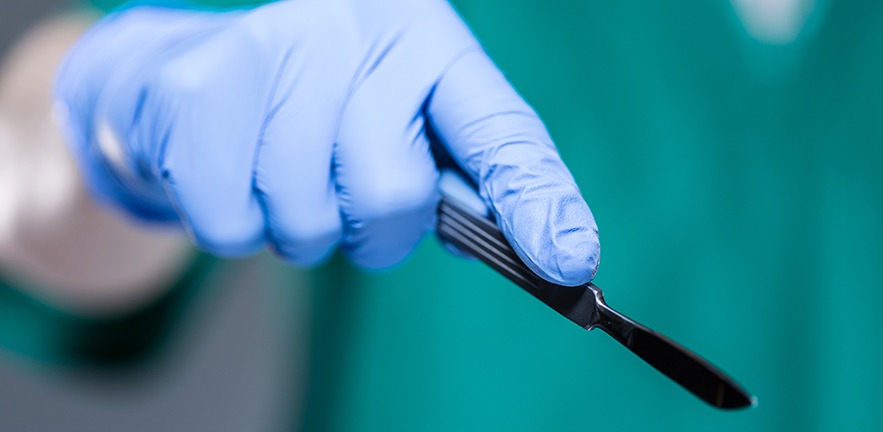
738 192
737 188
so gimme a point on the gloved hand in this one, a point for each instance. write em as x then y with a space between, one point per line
302 124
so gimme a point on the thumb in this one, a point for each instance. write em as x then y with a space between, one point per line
498 139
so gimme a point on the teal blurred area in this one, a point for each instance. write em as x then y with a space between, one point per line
737 185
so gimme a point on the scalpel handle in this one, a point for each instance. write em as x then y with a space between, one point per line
482 239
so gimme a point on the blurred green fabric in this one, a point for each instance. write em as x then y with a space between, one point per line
739 194
738 191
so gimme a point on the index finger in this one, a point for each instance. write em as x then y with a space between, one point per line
500 141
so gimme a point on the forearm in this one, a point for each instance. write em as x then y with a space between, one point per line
75 253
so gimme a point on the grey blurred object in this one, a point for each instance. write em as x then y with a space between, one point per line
18 16
232 364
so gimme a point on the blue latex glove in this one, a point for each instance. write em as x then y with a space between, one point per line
302 124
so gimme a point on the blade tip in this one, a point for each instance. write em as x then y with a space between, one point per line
745 402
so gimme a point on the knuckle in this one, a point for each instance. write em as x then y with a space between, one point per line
289 21
389 223
216 228
384 196
304 242
226 238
